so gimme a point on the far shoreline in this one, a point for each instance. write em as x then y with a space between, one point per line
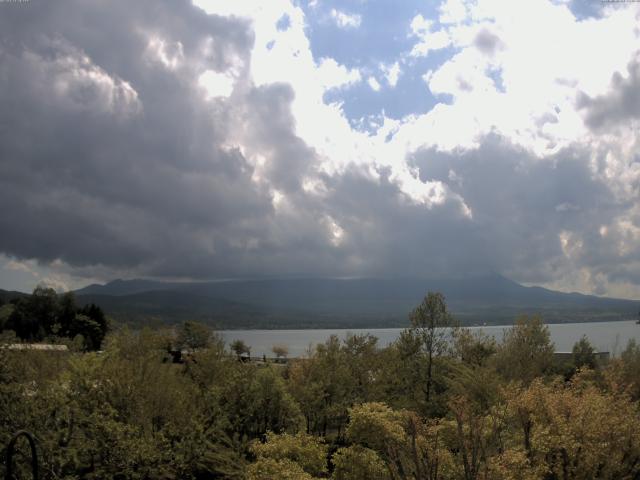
378 327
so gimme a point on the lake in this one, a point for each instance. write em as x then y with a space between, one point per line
604 336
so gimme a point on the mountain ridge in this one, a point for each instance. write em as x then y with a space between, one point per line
335 303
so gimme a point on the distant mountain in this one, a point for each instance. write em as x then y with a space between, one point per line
126 287
352 303
7 295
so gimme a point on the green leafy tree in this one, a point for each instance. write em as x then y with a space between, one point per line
95 333
433 324
194 335
583 354
575 430
280 351
526 351
255 399
65 315
5 313
358 463
307 452
45 314
474 349
240 348
88 330
623 374
408 446
34 317
403 370
323 386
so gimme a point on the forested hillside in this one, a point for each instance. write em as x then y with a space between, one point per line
342 303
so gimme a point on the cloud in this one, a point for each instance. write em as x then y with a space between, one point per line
334 75
345 20
428 40
537 219
453 11
620 104
392 73
487 42
216 84
19 267
374 84
200 144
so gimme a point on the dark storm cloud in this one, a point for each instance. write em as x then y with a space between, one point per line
388 234
522 204
621 105
112 157
108 155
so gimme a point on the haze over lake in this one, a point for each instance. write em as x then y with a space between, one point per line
604 336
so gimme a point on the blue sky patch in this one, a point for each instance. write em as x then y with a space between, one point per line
382 39
284 23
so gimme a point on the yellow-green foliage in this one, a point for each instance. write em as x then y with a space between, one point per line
358 463
309 453
272 469
350 411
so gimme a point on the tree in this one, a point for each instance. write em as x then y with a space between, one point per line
89 330
583 354
280 351
95 313
194 335
34 317
358 463
432 322
321 385
66 313
270 469
337 376
255 399
623 373
575 431
409 447
474 349
287 455
403 373
526 351
45 313
361 356
5 313
240 348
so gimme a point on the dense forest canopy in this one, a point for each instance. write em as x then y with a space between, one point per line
425 407
45 315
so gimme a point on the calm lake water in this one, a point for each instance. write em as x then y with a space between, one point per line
604 336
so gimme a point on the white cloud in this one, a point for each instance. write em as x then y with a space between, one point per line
17 266
345 20
55 274
392 73
428 40
333 75
420 25
453 11
374 84
540 75
171 55
57 283
216 84
338 146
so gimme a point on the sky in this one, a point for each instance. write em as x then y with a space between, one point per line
181 140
